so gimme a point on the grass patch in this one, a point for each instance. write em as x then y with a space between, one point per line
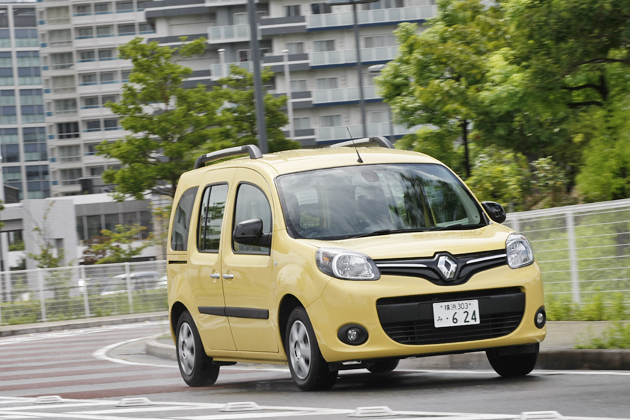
616 336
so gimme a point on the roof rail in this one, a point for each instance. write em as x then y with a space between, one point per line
377 140
254 153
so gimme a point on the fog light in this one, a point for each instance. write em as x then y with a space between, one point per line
541 317
352 334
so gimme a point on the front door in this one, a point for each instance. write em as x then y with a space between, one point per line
247 270
205 261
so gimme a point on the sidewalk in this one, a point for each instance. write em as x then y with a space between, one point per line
557 352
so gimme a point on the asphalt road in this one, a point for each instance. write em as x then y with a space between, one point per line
88 373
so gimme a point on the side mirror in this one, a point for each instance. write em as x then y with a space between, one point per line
250 232
495 211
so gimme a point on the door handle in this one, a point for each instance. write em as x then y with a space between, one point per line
228 276
215 275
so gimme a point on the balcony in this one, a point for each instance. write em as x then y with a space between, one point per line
216 70
371 17
347 57
328 134
224 2
230 33
332 96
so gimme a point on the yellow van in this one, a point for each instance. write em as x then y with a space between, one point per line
342 258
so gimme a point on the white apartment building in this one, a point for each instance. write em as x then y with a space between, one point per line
320 48
22 128
81 72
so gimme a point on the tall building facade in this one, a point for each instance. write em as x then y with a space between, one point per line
22 121
81 73
317 41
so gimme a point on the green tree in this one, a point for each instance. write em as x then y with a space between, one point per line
436 78
239 113
166 120
500 175
119 245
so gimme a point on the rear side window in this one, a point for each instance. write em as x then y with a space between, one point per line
181 221
211 218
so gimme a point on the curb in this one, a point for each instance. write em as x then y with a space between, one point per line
586 359
71 324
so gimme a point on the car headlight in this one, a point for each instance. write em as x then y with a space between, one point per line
347 265
519 251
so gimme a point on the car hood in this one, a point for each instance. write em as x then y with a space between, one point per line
424 244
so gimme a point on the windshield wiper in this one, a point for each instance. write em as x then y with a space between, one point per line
459 226
383 232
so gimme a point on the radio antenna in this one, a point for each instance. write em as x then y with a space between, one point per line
355 146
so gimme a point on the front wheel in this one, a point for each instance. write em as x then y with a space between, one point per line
195 366
512 365
308 368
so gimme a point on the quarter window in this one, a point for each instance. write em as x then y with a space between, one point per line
251 203
211 218
181 222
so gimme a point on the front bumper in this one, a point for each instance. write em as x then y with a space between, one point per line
397 313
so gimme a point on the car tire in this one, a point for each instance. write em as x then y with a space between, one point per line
308 368
194 364
513 365
382 366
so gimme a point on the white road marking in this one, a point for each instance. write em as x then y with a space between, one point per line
101 354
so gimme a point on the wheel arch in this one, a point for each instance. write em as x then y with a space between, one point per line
287 305
177 310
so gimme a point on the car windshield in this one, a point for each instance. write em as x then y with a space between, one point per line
371 200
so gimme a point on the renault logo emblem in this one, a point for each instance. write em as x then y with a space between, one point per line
447 267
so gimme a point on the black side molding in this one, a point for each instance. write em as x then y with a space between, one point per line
252 313
177 262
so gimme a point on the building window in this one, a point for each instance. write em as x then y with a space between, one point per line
108 98
330 120
104 31
145 28
10 153
301 123
327 45
384 4
5 38
4 18
124 7
7 98
94 225
299 85
90 103
69 130
106 55
83 10
65 106
60 38
327 83
71 177
88 79
320 8
24 18
295 47
6 76
107 78
62 61
125 75
127 29
102 9
111 124
5 59
69 153
58 15
8 115
13 177
379 41
34 134
35 152
85 33
292 10
31 97
63 84
86 56
29 76
92 126
9 136
242 56
96 170
32 114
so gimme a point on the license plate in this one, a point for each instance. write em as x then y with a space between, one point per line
455 314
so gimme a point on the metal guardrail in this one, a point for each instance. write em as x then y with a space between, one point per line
583 252
74 292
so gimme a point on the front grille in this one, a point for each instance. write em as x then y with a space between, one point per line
409 319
